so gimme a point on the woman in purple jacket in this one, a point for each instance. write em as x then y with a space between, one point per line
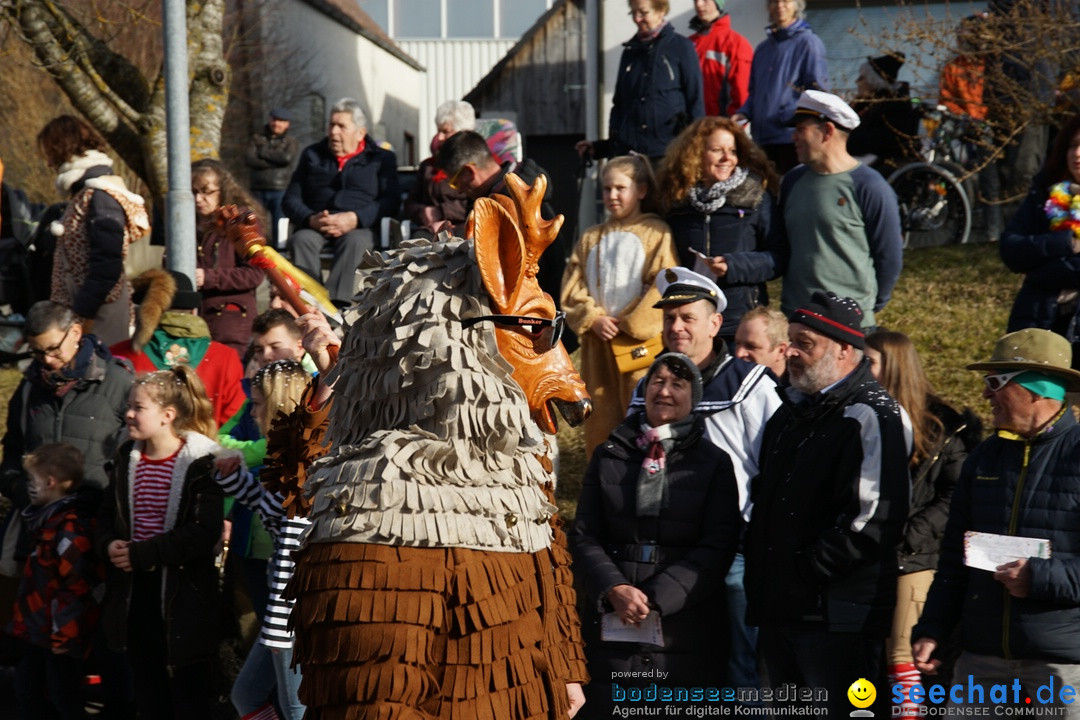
225 279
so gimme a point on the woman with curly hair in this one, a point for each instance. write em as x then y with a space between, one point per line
717 189
227 282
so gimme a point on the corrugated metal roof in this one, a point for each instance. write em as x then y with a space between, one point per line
349 14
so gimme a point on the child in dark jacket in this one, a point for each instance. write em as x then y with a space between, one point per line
56 609
160 528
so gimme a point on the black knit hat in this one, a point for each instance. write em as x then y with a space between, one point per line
838 318
186 297
888 66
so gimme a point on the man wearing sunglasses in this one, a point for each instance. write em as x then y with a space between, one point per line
73 391
1020 622
471 168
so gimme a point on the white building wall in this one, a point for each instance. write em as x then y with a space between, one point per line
453 69
851 35
322 61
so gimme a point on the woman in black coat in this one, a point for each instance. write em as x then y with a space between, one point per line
658 91
717 189
1047 251
656 530
888 123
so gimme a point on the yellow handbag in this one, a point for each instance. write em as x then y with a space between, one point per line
632 354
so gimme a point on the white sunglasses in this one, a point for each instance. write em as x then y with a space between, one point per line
1000 380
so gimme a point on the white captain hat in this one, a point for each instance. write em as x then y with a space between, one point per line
679 286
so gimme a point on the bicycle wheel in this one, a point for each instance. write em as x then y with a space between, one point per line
934 209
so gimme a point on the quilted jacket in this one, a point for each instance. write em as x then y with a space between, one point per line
1028 488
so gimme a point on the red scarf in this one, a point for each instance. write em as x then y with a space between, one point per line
341 160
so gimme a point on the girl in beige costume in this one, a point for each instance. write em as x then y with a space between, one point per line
608 290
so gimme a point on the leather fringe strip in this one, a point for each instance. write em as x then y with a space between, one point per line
294 442
423 633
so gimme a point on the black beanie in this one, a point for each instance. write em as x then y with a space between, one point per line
888 66
838 318
687 370
186 297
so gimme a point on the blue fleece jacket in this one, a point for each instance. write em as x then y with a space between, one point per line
788 61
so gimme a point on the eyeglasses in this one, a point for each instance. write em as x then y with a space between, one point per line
546 332
455 181
205 192
55 350
640 13
1000 380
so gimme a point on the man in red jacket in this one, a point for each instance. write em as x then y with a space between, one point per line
725 57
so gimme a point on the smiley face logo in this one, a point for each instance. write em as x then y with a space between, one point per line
862 693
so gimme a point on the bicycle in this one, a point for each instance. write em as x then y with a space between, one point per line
935 208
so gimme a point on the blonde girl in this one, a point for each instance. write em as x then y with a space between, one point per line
268 673
162 523
608 291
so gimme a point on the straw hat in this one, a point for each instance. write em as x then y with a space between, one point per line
1033 349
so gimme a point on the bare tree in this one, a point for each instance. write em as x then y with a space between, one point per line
125 102
1024 51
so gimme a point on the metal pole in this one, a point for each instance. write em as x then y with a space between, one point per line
179 201
587 210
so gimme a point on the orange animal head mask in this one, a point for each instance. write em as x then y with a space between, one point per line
509 236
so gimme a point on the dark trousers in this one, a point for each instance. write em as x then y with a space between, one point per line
307 245
49 685
819 659
271 200
163 693
116 691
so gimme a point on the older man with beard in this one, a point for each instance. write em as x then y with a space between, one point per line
829 506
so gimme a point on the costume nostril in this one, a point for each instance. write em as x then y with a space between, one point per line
574 413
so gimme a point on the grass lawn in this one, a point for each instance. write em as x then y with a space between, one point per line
952 301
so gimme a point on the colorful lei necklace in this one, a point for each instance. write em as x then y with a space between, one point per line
1063 207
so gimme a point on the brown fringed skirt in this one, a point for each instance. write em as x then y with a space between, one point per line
423 633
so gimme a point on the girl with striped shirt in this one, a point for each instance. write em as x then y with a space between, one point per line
267 673
161 524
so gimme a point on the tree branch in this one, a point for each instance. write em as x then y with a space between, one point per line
84 49
32 18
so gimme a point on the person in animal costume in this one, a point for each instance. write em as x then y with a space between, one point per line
434 580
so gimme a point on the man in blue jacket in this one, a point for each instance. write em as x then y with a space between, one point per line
342 188
1019 617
